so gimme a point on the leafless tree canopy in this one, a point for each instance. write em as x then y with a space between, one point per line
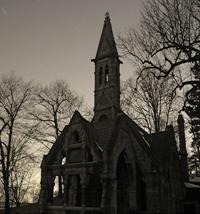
153 104
54 106
21 181
29 115
167 43
168 36
15 97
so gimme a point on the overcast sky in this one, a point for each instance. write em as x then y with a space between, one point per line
44 40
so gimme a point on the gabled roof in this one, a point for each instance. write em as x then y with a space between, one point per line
78 118
107 45
56 148
102 136
124 121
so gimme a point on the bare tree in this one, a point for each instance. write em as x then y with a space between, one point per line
34 192
168 36
55 104
21 181
54 107
15 95
167 40
152 103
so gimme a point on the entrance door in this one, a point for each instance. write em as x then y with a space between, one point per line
122 185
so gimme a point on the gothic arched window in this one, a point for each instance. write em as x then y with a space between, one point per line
75 137
100 76
106 74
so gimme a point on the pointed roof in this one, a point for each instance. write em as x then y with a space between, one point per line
123 121
107 45
58 145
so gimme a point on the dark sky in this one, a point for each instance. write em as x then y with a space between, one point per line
43 40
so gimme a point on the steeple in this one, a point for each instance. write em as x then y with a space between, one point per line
107 75
107 44
182 148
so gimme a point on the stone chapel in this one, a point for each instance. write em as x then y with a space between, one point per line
110 165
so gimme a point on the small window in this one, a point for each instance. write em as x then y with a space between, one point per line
100 76
103 117
106 74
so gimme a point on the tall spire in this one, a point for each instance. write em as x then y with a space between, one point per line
107 74
107 45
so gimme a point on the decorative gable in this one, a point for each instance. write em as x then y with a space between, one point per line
103 102
76 118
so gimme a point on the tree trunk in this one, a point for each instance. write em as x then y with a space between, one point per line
7 195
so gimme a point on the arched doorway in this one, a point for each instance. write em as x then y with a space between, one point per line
74 191
123 184
140 191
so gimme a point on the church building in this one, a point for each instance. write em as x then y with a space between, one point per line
110 165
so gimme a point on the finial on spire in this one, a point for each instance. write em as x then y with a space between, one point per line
107 16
